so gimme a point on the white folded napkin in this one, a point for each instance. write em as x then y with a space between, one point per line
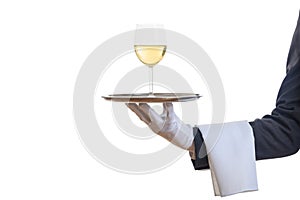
231 155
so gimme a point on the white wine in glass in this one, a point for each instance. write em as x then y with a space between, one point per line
150 47
150 55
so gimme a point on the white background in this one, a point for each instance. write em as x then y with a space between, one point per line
42 47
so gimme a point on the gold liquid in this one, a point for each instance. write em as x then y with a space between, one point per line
150 54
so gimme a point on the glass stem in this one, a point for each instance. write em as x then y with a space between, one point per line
151 80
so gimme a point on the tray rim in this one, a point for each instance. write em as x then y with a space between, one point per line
139 98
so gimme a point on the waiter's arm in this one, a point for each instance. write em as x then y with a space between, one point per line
276 135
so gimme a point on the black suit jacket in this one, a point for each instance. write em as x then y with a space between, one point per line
278 134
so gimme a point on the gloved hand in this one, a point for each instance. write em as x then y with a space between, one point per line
167 125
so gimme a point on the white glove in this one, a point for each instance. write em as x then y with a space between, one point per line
167 125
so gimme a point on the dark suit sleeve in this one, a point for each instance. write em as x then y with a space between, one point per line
199 163
276 135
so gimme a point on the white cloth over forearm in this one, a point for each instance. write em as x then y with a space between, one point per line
231 157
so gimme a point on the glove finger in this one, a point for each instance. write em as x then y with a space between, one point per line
168 108
139 112
154 116
164 112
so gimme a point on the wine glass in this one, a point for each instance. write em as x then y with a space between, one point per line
150 47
